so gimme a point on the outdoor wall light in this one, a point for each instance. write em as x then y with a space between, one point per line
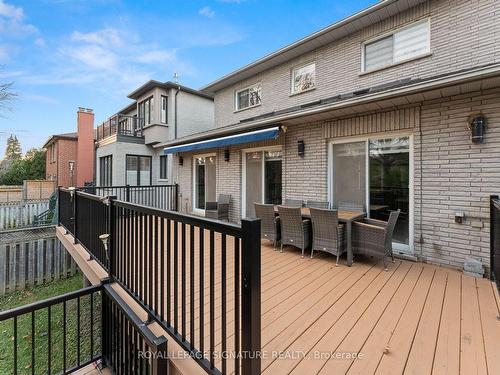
181 160
300 148
226 155
105 239
477 126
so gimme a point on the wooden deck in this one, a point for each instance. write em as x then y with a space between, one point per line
413 319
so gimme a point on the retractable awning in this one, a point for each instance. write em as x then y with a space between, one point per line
253 136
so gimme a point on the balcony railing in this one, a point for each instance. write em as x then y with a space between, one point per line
198 279
65 333
130 126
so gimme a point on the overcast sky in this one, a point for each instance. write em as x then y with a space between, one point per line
62 54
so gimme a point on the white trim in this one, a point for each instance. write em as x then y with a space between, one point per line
236 92
244 172
199 211
393 32
403 249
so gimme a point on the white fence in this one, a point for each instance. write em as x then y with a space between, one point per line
20 214
32 257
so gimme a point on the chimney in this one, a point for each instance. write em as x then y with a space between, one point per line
85 148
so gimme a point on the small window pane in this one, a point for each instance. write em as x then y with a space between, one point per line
163 167
304 78
379 53
145 170
249 97
243 101
164 109
411 42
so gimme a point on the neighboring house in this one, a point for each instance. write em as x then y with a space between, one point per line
377 110
128 143
69 157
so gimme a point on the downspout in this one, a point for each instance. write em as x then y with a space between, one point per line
175 114
420 136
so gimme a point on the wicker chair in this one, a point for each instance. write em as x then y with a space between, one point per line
269 222
294 230
218 210
328 234
293 203
374 237
317 204
350 206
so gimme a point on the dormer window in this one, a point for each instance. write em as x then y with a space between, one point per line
248 97
402 45
303 78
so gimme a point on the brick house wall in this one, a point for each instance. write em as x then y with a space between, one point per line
463 35
58 170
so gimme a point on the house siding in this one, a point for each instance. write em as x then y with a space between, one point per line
463 35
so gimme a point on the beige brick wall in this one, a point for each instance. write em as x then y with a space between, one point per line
464 34
456 175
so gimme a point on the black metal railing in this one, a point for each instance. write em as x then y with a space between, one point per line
90 209
131 126
164 197
495 238
129 346
55 336
92 325
66 209
199 279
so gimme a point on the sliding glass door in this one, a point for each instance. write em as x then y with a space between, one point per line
204 178
375 173
261 179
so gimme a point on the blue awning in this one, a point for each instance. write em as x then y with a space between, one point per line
253 136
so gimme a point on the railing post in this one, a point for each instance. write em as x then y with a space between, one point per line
59 206
111 226
177 197
250 297
492 237
127 193
75 213
160 360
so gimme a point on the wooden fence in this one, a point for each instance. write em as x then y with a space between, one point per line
20 214
32 257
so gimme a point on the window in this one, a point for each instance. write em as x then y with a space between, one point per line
164 109
146 110
204 181
106 171
249 97
402 45
163 167
303 78
138 170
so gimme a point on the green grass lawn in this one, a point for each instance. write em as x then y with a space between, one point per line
24 329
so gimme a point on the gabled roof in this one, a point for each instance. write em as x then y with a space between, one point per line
368 16
70 136
148 86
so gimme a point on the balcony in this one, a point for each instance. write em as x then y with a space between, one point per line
122 128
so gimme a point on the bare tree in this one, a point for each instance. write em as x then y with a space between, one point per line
6 95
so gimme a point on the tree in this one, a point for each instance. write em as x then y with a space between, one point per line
6 95
13 150
30 167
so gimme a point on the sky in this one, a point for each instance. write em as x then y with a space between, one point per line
62 54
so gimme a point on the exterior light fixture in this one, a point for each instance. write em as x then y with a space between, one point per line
477 125
300 148
105 240
226 155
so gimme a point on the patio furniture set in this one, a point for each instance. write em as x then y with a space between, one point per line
318 227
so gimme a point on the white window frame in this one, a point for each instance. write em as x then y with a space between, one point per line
164 112
236 92
244 172
393 32
195 210
292 78
401 249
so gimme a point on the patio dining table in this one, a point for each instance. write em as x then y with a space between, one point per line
346 217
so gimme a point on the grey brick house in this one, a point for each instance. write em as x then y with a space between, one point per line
376 109
127 150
